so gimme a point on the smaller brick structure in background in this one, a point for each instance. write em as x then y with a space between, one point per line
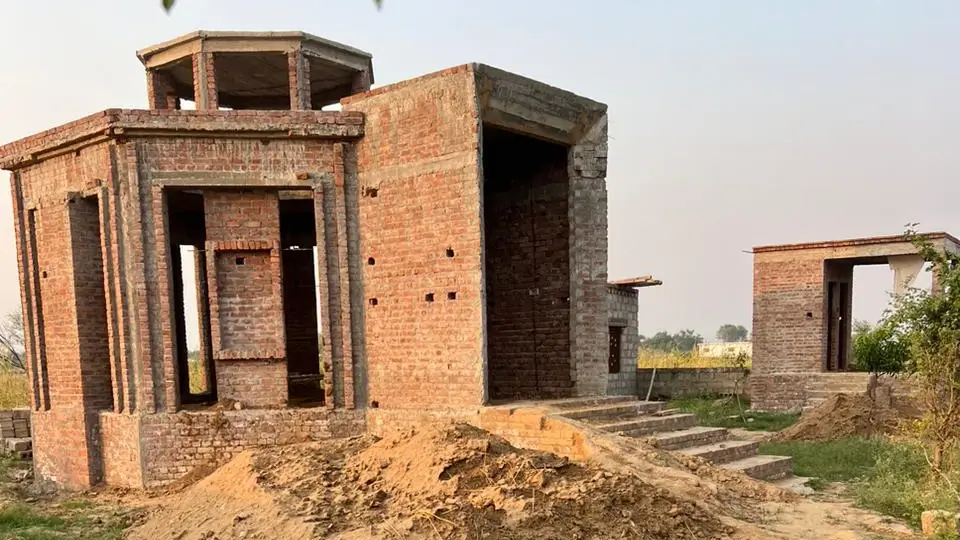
803 314
624 338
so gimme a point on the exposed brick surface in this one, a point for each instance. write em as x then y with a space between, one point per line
623 312
175 444
421 159
414 259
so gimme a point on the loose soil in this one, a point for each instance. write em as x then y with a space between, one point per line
454 481
842 416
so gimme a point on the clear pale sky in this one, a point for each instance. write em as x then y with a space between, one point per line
732 124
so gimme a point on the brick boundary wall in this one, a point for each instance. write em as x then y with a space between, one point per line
680 382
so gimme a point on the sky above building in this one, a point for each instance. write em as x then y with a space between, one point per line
732 124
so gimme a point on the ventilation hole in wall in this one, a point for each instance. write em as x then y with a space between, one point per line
371 192
375 404
450 252
451 295
241 261
77 153
44 273
809 315
374 301
371 261
429 297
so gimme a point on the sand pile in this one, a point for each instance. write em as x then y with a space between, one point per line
842 415
451 481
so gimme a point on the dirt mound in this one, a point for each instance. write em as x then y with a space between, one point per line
450 481
842 415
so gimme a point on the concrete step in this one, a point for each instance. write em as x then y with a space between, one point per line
685 438
762 467
610 412
646 425
724 451
588 402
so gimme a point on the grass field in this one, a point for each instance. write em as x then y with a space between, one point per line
714 411
654 359
13 389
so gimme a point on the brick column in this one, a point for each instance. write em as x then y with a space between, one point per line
361 82
299 69
587 164
160 91
205 82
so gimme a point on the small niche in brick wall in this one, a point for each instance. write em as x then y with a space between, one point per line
370 192
371 261
241 261
450 252
374 301
429 297
452 295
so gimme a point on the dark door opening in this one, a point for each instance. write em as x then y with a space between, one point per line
616 338
838 325
298 238
527 266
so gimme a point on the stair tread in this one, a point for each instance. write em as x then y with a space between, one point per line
753 461
707 448
617 406
596 401
645 420
695 430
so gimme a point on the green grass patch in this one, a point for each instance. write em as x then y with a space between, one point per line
716 411
23 522
842 460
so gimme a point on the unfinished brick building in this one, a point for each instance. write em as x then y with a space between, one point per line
448 233
803 314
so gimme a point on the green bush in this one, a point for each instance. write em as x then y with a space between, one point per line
901 484
880 350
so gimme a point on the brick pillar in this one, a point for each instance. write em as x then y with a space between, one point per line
587 164
205 82
299 69
160 91
361 82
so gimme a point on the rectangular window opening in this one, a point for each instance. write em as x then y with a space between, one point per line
191 309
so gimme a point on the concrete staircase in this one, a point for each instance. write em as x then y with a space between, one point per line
674 431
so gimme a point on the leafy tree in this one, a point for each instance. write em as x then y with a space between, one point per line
922 330
11 340
861 326
687 340
661 341
730 333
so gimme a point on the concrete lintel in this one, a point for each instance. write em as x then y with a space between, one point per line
522 104
213 180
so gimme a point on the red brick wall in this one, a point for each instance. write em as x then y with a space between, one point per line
65 438
254 383
175 444
527 233
121 450
91 307
785 339
246 311
420 157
